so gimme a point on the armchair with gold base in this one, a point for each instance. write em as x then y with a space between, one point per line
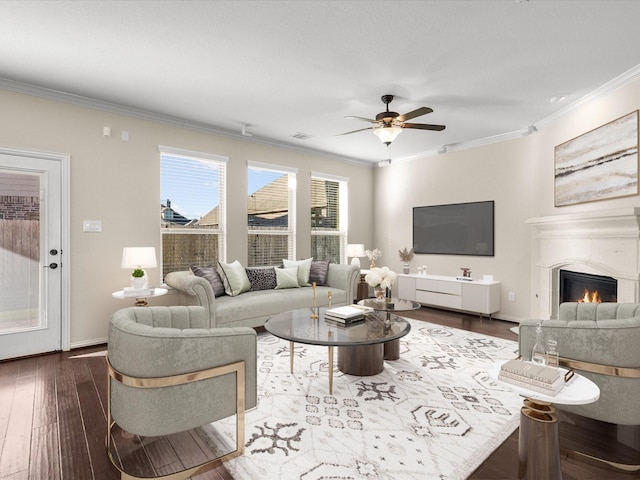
170 372
601 342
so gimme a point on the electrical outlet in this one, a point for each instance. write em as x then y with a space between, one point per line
512 296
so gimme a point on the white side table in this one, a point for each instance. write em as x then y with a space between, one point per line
141 301
538 444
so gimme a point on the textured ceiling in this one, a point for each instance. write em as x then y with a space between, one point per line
486 68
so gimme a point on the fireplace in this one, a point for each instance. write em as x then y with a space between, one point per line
587 287
601 243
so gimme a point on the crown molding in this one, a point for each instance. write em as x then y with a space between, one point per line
620 81
454 147
140 114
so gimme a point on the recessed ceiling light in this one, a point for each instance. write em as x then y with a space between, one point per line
557 98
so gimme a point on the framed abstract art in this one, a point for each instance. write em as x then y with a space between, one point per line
599 164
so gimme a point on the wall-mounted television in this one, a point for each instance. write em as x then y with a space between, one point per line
454 229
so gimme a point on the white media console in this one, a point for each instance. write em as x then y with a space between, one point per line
477 296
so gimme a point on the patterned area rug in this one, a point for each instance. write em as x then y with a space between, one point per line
432 414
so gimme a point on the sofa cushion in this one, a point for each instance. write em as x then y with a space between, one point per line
304 267
261 278
318 272
234 277
210 273
287 278
253 308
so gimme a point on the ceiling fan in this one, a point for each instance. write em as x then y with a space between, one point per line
388 125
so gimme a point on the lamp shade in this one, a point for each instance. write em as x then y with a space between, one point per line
355 250
139 257
387 134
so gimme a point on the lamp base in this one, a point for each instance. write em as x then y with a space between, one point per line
140 282
355 261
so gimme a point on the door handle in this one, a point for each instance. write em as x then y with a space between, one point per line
52 266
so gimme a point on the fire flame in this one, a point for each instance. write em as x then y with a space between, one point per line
590 297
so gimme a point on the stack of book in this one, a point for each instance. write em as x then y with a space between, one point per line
347 314
137 292
538 378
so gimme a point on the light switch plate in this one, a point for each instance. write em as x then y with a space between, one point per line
92 225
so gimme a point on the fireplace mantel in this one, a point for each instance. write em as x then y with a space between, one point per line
622 222
605 242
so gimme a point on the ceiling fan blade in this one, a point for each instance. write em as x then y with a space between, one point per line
415 113
354 131
352 117
424 126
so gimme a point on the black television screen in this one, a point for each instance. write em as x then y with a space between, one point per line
454 229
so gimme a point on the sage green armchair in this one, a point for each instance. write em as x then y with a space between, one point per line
170 372
602 342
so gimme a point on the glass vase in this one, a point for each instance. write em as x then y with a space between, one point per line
380 293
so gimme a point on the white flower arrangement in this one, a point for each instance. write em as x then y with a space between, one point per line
373 255
381 277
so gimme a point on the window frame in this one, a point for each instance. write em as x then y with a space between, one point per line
291 231
343 211
221 230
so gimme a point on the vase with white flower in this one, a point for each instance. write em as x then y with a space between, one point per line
373 255
381 279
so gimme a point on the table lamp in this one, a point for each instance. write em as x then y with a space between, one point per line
139 258
355 250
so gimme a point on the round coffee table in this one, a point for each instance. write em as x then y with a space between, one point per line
392 348
360 345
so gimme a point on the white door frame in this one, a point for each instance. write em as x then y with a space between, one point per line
65 300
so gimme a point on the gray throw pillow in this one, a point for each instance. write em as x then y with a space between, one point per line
211 274
319 271
261 278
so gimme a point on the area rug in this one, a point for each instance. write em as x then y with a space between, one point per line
432 414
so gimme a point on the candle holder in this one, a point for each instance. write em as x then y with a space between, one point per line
330 295
314 308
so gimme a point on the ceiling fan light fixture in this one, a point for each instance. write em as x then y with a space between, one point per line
387 134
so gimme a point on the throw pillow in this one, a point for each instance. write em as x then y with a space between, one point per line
319 271
304 267
261 278
234 277
211 274
287 278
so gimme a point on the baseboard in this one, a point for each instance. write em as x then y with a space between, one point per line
88 343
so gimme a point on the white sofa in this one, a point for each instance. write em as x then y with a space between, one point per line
253 308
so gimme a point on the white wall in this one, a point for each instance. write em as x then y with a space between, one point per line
496 172
518 174
119 183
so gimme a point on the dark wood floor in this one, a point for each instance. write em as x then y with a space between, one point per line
53 410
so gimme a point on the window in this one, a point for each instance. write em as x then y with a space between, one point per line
271 214
329 222
192 209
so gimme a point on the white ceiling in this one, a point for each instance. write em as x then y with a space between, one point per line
486 68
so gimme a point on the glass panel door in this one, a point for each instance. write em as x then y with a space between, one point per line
30 255
20 251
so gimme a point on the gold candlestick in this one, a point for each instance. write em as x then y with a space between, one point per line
329 295
314 309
